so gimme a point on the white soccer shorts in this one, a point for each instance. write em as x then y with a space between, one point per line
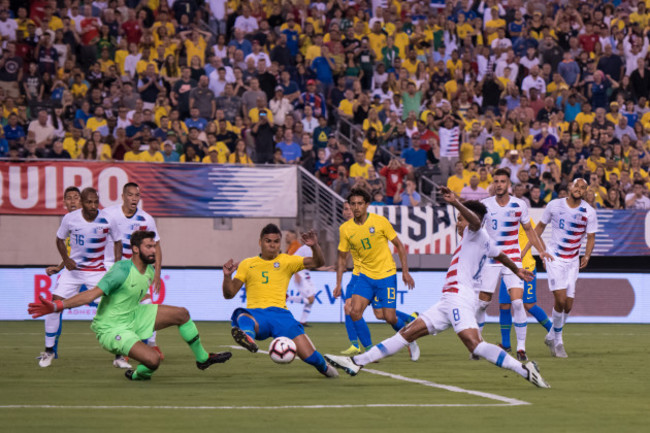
492 276
452 310
563 275
70 282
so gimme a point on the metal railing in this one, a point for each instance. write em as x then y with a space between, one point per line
320 207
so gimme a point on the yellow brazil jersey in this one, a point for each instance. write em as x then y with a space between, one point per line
94 123
148 157
501 145
377 42
120 58
346 107
73 147
401 42
369 242
131 156
583 118
456 184
267 281
527 261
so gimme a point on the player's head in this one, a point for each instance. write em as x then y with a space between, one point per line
347 211
359 199
90 202
475 206
143 245
290 236
131 196
72 198
501 181
578 188
270 240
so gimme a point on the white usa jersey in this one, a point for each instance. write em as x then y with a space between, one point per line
471 255
87 239
304 251
502 224
568 227
125 226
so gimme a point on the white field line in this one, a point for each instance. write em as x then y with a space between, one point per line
508 401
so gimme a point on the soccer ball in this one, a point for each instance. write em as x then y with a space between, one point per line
282 350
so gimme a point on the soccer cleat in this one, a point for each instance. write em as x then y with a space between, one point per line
244 340
330 372
559 351
473 357
351 351
121 362
533 375
214 358
521 356
414 316
414 351
507 349
345 363
129 374
551 344
46 359
157 349
306 325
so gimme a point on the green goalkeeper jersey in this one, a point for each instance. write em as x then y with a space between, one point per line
124 287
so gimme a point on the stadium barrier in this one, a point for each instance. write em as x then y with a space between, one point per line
601 297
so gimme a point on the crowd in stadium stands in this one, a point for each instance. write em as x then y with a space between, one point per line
550 89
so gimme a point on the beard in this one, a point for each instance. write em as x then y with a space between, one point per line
148 260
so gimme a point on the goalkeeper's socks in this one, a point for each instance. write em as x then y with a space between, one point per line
142 372
191 336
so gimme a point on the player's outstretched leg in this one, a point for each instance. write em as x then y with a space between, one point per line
500 358
390 316
177 316
244 333
308 353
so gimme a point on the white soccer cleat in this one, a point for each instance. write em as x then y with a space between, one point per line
534 376
344 363
414 351
559 351
46 359
550 342
120 362
331 372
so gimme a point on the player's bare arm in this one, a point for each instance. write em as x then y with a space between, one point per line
536 240
317 260
340 268
43 307
401 252
52 270
472 219
63 250
520 272
158 268
230 285
591 241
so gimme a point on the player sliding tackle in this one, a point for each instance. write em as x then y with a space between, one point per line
267 277
457 305
122 322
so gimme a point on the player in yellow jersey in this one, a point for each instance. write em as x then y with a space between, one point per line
71 202
530 294
267 278
353 336
366 237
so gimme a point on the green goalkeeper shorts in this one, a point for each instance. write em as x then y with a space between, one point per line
121 340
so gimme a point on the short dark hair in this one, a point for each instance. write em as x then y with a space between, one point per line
270 229
358 192
640 183
502 172
71 189
87 191
139 235
129 185
477 207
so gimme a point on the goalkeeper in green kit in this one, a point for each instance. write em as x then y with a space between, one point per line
122 322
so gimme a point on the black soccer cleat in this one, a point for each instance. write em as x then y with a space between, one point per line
214 358
507 349
244 340
129 374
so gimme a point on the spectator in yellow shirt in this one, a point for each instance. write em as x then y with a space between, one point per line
457 181
74 144
152 154
239 156
360 167
135 154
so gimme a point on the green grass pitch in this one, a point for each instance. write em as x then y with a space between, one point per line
603 387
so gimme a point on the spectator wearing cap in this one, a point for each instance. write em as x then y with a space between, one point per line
280 106
169 152
314 99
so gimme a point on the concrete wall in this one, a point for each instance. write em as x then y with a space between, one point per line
30 240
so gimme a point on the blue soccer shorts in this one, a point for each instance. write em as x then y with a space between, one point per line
530 291
272 322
